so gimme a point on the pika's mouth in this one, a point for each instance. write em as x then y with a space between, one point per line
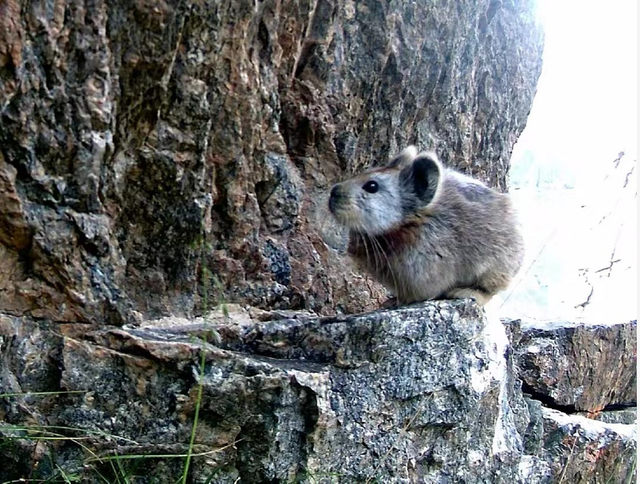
342 207
336 200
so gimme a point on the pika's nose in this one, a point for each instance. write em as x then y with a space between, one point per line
334 198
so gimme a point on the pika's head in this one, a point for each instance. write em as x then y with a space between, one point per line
383 198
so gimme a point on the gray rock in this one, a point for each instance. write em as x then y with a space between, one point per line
622 416
578 367
580 450
424 393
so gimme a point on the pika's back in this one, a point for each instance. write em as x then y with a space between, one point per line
428 232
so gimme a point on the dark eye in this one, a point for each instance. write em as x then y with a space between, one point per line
371 186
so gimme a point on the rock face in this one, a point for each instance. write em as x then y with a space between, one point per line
425 393
157 156
569 366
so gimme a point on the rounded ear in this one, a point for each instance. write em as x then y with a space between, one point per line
403 158
422 177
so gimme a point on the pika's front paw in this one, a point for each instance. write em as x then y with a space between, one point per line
392 302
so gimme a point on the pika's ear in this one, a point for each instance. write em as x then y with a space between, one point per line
403 158
422 177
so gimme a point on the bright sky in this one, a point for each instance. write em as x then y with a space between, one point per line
585 110
583 212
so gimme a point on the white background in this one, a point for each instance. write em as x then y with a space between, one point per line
576 194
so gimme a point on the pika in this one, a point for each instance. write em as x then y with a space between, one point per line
428 232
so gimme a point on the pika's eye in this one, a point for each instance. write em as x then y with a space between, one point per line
371 186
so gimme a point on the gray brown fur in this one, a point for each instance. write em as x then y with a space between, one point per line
429 232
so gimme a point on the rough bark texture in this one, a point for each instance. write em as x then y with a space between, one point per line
425 393
156 155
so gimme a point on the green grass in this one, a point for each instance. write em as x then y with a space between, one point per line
116 462
119 465
210 335
185 472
